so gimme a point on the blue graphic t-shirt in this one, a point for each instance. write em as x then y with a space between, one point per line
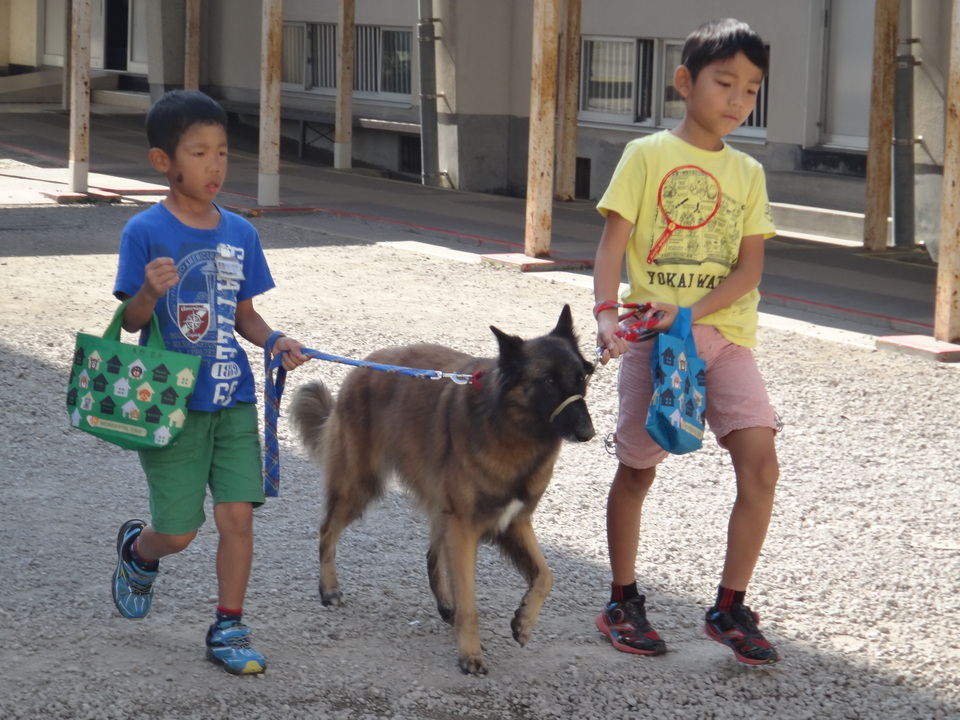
218 268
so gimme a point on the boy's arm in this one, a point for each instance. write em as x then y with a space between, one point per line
252 327
607 270
159 275
744 278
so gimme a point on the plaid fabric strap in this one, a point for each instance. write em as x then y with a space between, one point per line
272 392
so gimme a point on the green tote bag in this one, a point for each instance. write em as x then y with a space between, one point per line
134 396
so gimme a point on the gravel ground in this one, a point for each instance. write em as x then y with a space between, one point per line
857 585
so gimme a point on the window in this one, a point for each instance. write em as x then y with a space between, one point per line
616 77
382 58
619 84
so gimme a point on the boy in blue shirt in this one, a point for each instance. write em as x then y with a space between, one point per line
199 267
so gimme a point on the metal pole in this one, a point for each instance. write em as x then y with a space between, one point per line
568 103
903 137
543 111
80 97
67 56
877 204
946 324
271 31
191 56
429 141
343 123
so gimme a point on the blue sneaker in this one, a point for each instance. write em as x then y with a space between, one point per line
228 644
132 587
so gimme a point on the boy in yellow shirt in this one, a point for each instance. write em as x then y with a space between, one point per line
691 214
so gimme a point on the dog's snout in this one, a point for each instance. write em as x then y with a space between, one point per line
585 431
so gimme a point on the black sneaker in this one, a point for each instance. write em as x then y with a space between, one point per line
625 623
738 630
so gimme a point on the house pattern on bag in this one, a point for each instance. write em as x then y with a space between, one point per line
673 388
134 392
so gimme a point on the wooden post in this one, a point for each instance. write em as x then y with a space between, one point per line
543 111
568 102
79 156
271 29
191 55
877 206
343 127
946 325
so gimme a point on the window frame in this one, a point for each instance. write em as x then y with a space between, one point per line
319 46
637 101
660 76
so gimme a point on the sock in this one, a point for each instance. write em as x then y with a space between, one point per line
139 562
224 615
621 593
727 598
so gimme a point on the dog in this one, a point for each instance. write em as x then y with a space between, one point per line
476 458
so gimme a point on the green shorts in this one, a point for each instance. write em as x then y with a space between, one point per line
220 449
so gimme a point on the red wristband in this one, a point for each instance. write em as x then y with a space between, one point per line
604 305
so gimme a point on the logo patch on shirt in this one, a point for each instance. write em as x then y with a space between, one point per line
193 319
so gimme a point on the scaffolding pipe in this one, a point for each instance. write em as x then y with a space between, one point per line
429 141
946 324
903 137
343 122
271 27
877 204
191 54
79 157
568 103
543 112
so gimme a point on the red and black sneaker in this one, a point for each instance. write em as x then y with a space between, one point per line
738 630
625 623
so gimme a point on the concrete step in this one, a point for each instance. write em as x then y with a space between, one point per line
122 99
46 86
813 223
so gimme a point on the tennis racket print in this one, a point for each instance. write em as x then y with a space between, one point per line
688 197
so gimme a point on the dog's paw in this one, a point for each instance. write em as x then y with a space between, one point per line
521 631
473 665
332 597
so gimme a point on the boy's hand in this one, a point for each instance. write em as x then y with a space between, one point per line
609 344
668 313
292 357
159 276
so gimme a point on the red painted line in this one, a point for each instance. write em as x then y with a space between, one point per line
32 152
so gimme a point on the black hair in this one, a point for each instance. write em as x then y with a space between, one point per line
721 40
175 112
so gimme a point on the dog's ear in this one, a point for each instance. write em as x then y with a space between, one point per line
511 354
564 326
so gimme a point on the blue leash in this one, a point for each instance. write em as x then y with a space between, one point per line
276 378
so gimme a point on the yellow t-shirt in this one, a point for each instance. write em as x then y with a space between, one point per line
689 208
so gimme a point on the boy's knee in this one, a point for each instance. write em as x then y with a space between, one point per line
234 517
639 479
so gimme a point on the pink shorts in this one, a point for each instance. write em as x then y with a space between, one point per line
736 395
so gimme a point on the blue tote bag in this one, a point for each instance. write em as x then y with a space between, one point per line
675 417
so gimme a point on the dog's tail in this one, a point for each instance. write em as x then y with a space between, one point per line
309 411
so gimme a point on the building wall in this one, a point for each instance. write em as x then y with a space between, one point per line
483 74
23 38
4 36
